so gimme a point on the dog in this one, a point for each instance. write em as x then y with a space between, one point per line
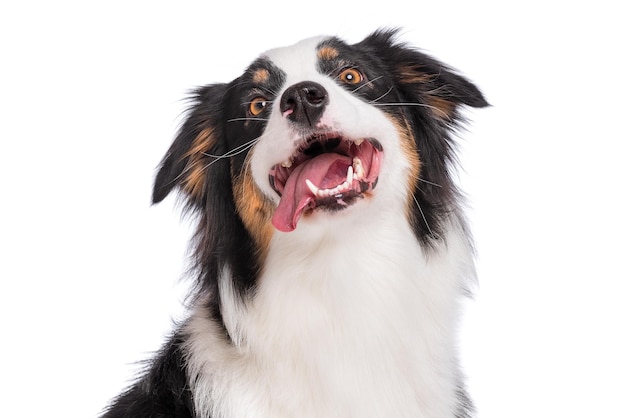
331 251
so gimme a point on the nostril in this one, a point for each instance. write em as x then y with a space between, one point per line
287 105
314 94
288 101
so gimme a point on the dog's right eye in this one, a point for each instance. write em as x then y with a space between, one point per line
257 105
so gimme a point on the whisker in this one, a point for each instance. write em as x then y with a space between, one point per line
365 84
234 151
231 153
429 182
402 104
246 119
381 96
436 109
267 101
430 231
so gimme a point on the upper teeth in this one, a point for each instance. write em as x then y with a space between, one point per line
355 172
287 163
359 172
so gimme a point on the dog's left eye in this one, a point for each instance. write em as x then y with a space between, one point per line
351 76
257 105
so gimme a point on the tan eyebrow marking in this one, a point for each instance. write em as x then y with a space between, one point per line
260 76
327 53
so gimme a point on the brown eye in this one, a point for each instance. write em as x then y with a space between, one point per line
257 105
351 76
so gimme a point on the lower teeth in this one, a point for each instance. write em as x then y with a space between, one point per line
355 172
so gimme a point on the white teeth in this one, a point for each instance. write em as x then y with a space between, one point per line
359 172
350 175
287 163
359 141
354 173
312 187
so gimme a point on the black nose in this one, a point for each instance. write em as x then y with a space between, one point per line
304 102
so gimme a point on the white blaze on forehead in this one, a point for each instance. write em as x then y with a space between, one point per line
298 61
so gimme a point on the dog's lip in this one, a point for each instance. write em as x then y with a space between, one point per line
328 170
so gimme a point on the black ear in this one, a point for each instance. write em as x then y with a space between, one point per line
423 78
431 94
187 161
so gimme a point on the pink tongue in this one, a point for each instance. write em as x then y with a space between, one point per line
325 171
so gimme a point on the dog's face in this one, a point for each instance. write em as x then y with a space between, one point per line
326 142
319 134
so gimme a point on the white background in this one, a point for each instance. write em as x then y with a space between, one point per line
91 96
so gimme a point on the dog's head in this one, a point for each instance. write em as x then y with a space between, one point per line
319 134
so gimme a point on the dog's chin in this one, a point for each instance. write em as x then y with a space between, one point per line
327 172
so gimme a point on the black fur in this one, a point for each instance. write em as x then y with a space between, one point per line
163 391
221 238
436 194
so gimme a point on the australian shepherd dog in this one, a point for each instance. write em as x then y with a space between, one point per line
331 253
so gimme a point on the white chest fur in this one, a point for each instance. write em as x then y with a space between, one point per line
358 324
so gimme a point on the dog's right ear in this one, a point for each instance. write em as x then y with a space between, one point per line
189 160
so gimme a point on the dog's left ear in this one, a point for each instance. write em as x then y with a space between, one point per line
188 162
424 79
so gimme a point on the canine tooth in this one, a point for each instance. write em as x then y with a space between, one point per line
358 141
350 175
287 163
312 187
359 172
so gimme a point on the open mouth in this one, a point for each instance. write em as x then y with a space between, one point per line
327 171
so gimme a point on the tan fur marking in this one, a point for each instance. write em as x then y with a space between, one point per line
261 76
195 171
254 209
327 53
409 148
442 108
412 74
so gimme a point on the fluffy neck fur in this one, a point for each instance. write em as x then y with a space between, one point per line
356 323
